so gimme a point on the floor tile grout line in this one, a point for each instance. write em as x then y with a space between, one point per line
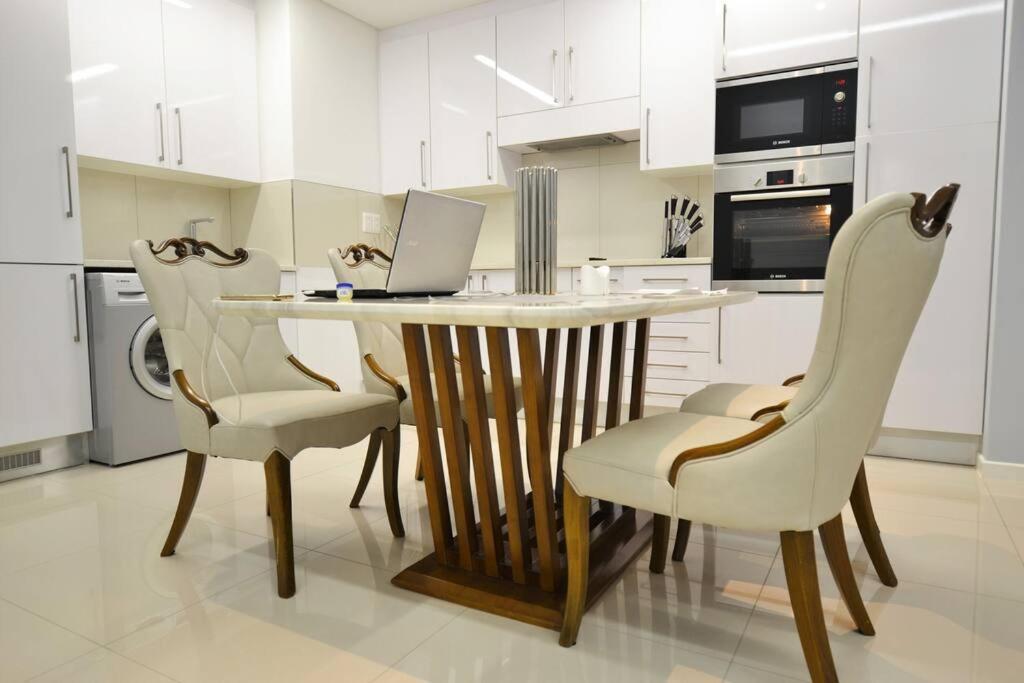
753 608
51 622
418 645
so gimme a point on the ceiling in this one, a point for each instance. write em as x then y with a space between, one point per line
385 13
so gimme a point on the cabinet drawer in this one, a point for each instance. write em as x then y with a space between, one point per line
669 336
670 392
615 279
673 365
666 277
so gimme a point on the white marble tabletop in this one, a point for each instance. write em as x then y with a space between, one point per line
491 310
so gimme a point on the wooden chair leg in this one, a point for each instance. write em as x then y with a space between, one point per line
805 596
659 543
392 450
279 493
576 511
682 539
368 464
195 466
860 502
834 541
419 467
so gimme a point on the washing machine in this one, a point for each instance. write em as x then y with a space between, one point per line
133 415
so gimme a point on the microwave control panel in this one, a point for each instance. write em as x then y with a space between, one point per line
839 106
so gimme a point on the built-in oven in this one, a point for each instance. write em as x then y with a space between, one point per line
792 114
775 222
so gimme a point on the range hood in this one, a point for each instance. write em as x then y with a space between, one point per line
600 124
606 140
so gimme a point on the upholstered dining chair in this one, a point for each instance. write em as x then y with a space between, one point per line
381 348
794 473
239 393
762 402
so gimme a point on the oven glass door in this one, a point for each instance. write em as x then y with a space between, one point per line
778 235
771 115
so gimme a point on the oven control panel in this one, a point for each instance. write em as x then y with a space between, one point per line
839 111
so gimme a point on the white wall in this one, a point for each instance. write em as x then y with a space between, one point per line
1004 399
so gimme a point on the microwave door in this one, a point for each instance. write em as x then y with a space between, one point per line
775 118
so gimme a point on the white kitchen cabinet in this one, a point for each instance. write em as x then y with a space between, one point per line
602 50
39 209
531 58
117 59
754 36
45 364
908 83
404 115
766 340
463 109
210 65
677 90
941 383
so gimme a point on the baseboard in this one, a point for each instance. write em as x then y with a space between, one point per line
994 469
957 449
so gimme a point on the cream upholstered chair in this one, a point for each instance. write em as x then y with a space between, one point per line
381 348
239 393
794 473
762 402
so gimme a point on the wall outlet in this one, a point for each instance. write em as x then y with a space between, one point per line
371 222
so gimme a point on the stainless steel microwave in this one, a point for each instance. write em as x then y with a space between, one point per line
792 114
775 222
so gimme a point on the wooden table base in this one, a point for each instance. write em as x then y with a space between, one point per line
511 562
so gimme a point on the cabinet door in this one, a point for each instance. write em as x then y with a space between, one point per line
602 45
39 210
210 57
117 62
404 115
530 59
45 364
754 36
677 91
907 83
941 383
767 340
463 111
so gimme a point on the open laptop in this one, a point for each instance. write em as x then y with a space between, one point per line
434 247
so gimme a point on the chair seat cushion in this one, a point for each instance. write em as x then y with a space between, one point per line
630 463
254 425
737 400
408 417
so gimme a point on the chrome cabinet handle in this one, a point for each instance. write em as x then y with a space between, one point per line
793 194
469 286
78 319
871 73
483 282
867 169
181 144
572 94
490 174
160 116
669 336
719 335
70 213
423 154
647 143
725 9
666 279
554 70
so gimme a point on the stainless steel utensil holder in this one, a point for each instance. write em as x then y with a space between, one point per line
536 230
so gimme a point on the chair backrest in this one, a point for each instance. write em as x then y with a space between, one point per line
182 277
367 267
880 271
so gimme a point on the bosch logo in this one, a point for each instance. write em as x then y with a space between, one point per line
776 143
777 276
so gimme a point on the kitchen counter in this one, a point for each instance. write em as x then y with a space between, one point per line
652 261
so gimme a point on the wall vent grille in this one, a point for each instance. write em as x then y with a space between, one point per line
16 461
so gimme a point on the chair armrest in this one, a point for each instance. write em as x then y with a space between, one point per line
315 376
795 379
383 376
768 410
194 398
722 448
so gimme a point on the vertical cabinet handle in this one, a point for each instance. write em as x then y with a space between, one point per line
181 144
871 79
78 319
647 143
483 282
70 213
725 16
554 70
867 169
719 335
490 173
423 155
572 87
469 284
160 118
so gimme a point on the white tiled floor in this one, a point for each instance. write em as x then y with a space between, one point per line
84 595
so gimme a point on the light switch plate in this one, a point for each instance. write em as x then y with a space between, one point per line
371 222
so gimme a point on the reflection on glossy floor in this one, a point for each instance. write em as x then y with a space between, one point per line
84 595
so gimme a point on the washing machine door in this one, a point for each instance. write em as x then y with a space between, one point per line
148 360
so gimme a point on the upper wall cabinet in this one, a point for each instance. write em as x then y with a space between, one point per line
167 84
677 91
404 115
928 64
754 36
463 114
531 58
